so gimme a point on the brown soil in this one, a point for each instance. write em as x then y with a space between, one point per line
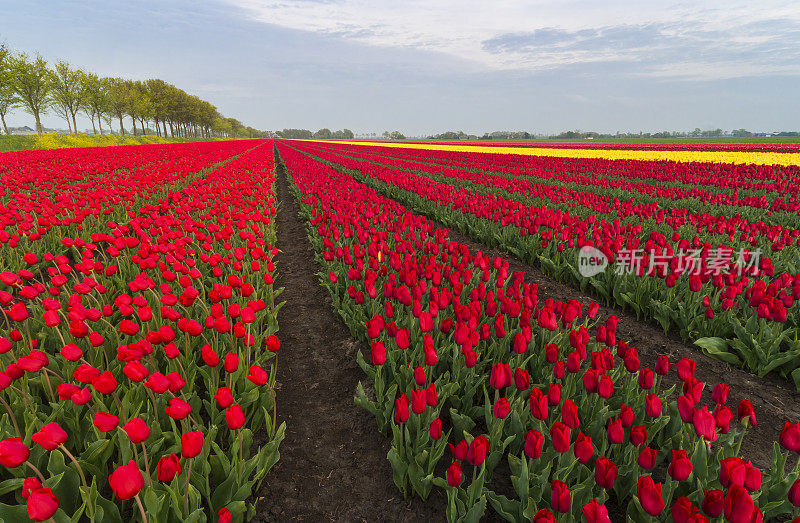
333 462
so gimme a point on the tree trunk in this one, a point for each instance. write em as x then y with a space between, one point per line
171 129
38 122
5 127
134 126
69 125
75 125
121 128
164 125
100 123
94 128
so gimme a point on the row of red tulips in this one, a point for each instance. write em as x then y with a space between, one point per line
745 314
138 332
465 357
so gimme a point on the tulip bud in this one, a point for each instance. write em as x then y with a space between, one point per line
712 503
681 465
105 422
191 444
13 453
650 495
42 504
477 451
50 437
501 408
560 497
454 475
605 473
234 417
168 468
401 409
126 481
436 429
534 442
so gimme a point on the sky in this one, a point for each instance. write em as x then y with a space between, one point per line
430 66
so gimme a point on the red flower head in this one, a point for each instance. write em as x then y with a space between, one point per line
178 409
454 475
258 375
401 409
713 503
478 449
137 430
13 453
234 417
168 468
594 512
105 422
559 434
560 497
42 504
650 495
50 437
605 473
126 481
191 444
681 465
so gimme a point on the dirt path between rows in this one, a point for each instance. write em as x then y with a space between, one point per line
333 464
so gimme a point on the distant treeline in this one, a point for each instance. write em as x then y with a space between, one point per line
151 106
322 134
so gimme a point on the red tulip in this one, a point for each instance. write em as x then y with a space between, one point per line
569 414
191 444
224 397
534 442
29 485
713 503
638 435
234 417
538 404
42 504
454 475
594 512
126 481
401 409
583 448
794 493
705 425
739 506
477 451
681 465
13 453
137 430
178 409
790 437
168 468
650 495
605 473
419 401
544 516
436 429
105 422
560 497
258 375
732 472
615 431
501 408
224 515
647 458
747 414
720 393
273 343
105 383
378 351
50 437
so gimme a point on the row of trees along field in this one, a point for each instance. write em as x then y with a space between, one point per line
29 83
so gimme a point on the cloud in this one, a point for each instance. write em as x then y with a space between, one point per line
535 35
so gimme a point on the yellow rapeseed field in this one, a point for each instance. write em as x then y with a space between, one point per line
736 157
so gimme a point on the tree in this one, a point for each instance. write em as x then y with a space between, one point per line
8 98
117 100
95 98
67 92
324 134
397 135
31 83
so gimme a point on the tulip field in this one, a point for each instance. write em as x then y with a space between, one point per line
140 337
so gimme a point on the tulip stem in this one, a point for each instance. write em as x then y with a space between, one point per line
186 496
146 464
83 478
13 418
37 471
239 437
141 508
